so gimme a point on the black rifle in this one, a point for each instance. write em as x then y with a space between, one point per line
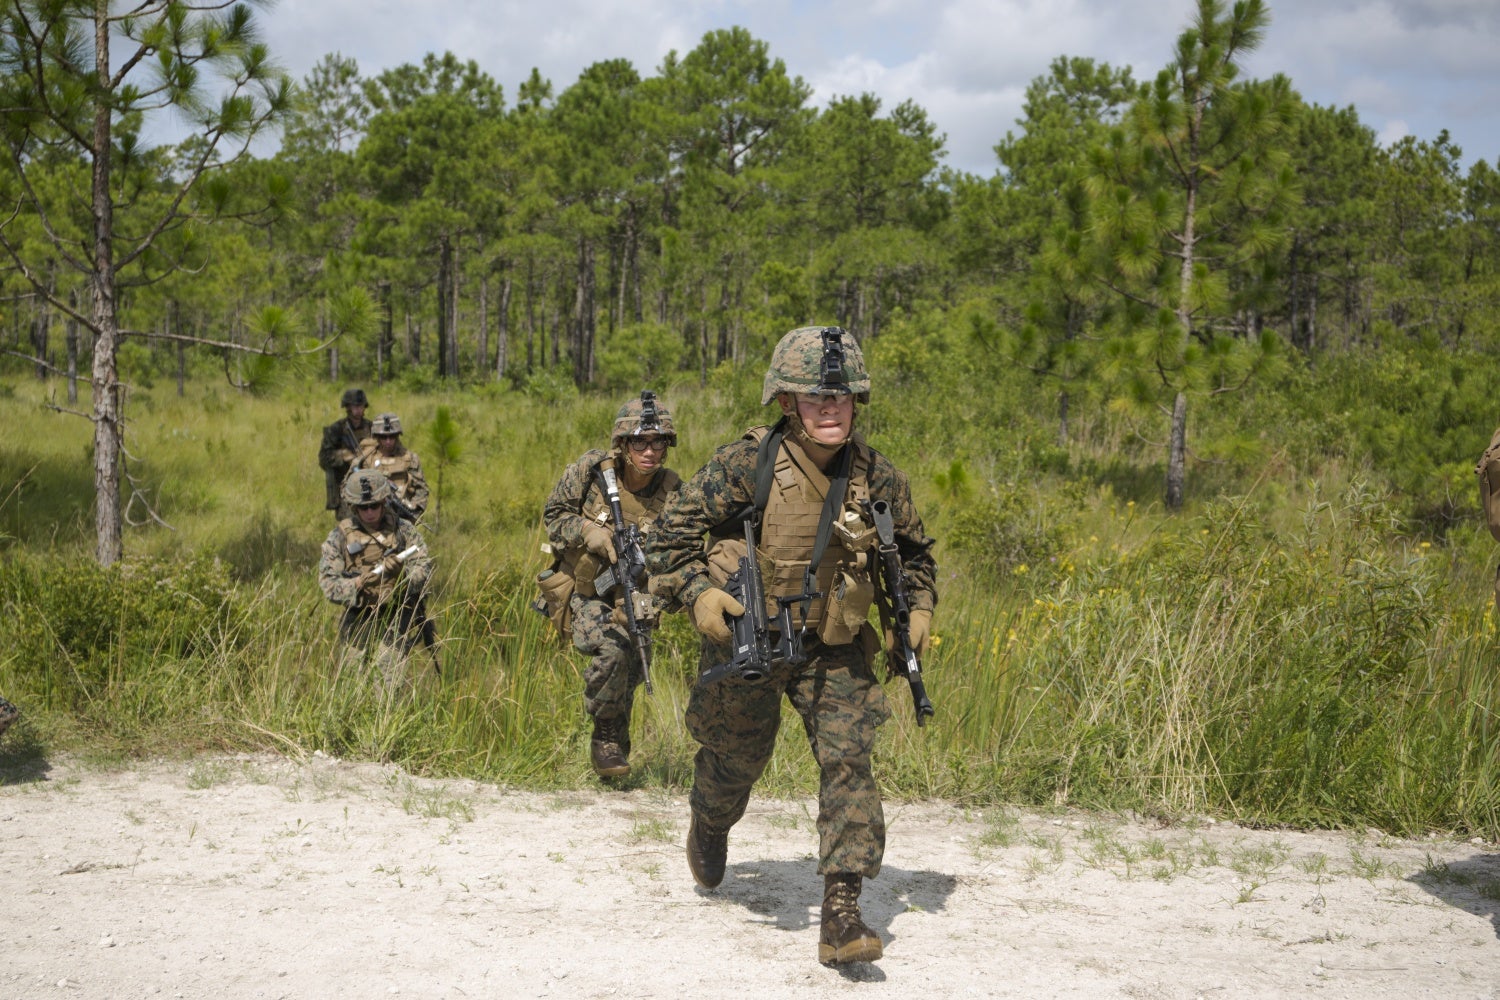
630 564
353 440
903 658
755 641
399 507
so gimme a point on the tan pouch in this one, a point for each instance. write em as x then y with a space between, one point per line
584 569
852 531
556 600
847 608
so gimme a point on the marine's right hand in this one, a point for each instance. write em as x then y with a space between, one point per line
709 611
600 541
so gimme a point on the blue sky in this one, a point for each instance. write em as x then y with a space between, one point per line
1409 66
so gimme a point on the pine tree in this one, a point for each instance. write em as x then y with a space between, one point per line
1186 203
79 81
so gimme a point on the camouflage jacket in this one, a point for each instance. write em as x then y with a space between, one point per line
339 568
562 516
676 555
342 444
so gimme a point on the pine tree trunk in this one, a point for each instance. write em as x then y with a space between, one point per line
502 331
483 348
108 429
455 287
175 319
72 337
444 288
1177 457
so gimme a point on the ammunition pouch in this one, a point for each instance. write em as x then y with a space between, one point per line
556 599
847 608
583 568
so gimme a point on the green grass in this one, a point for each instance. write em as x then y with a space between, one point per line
1280 652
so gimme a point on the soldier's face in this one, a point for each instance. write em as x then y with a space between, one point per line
370 514
647 452
386 443
356 413
828 419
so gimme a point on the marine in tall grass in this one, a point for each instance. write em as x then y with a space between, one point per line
344 441
398 463
804 485
375 566
581 528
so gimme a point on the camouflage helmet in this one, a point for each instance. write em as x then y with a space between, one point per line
646 415
366 486
354 397
820 359
386 424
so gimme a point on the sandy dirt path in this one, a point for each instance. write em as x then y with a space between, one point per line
254 877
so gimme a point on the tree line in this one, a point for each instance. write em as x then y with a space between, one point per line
1156 242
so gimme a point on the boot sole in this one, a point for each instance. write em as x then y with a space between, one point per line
612 772
859 950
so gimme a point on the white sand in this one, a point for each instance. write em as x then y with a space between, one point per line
263 877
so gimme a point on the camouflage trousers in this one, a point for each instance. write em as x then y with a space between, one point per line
8 714
841 704
383 638
614 670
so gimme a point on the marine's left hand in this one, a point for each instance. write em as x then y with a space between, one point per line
921 632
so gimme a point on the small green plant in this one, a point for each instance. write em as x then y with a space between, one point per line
208 773
654 829
1001 828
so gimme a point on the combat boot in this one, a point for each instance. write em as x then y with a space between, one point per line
845 937
707 850
609 747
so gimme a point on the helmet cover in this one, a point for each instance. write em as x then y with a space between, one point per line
817 359
366 486
646 415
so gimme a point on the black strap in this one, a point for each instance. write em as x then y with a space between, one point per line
765 468
838 486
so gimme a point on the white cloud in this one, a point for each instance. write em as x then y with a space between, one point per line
1392 132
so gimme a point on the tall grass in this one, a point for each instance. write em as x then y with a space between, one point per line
1285 655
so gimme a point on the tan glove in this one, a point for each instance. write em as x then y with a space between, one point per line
389 567
709 611
344 455
600 541
921 632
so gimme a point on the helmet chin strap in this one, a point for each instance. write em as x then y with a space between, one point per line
800 435
623 450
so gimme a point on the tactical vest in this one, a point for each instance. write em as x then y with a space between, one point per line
789 530
641 511
396 468
363 551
